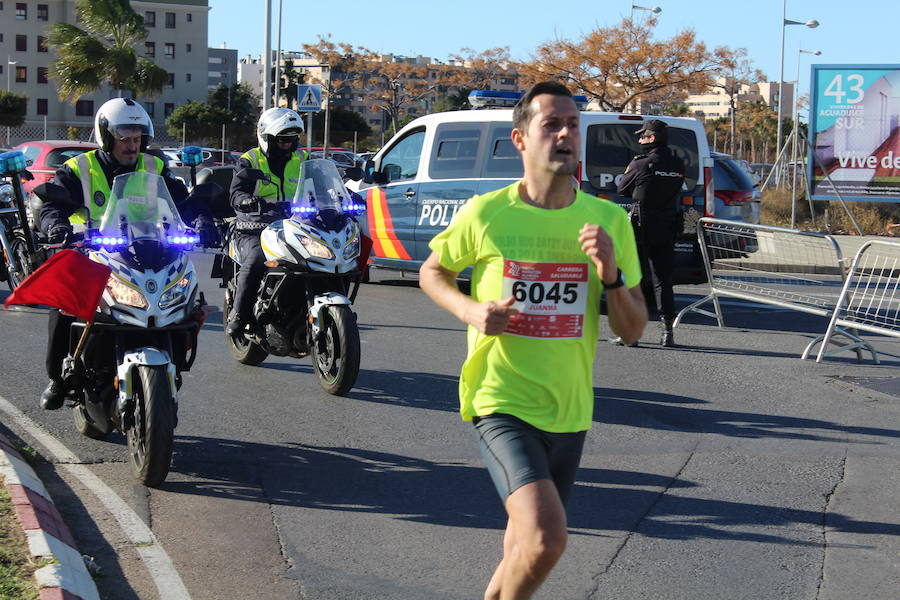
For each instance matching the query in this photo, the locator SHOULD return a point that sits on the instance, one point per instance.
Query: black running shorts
(517, 453)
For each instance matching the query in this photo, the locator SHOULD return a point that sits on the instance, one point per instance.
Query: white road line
(153, 555)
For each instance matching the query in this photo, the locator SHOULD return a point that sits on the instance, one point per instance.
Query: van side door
(392, 207)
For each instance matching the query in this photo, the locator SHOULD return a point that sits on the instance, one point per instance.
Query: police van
(430, 168)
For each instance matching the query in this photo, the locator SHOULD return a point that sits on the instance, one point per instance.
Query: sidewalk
(48, 536)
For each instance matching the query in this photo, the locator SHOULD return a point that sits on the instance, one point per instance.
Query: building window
(42, 105)
(168, 109)
(149, 19)
(42, 74)
(21, 74)
(170, 20)
(190, 17)
(150, 107)
(150, 49)
(187, 47)
(170, 50)
(21, 43)
(84, 108)
(43, 13)
(171, 82)
(187, 77)
(21, 11)
(42, 44)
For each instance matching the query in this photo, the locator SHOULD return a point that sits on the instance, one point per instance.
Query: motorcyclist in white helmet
(278, 157)
(80, 190)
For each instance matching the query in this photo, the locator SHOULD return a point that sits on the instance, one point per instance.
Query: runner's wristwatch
(619, 282)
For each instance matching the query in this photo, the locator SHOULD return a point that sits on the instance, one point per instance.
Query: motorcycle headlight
(125, 294)
(176, 294)
(351, 250)
(315, 248)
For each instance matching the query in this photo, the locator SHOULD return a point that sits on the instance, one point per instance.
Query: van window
(502, 160)
(611, 146)
(401, 162)
(455, 151)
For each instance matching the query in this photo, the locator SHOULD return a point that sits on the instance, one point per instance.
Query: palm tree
(103, 51)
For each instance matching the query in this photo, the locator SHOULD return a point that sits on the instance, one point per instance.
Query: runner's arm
(439, 284)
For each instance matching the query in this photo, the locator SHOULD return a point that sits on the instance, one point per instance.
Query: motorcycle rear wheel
(336, 353)
(86, 423)
(151, 439)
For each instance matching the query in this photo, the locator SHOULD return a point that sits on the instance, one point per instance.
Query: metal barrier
(787, 268)
(870, 297)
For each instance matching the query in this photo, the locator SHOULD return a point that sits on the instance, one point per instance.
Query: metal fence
(30, 132)
(787, 268)
(870, 297)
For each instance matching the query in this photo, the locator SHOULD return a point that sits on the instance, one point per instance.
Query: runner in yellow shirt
(541, 254)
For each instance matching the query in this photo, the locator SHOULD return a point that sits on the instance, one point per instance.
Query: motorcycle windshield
(320, 188)
(140, 208)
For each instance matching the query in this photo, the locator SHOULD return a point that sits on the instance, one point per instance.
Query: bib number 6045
(537, 292)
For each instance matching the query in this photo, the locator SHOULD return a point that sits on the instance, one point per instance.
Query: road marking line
(153, 555)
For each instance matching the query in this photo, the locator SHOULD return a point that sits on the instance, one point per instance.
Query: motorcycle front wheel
(19, 262)
(336, 353)
(150, 440)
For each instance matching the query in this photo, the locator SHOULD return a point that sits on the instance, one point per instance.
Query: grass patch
(16, 567)
(874, 218)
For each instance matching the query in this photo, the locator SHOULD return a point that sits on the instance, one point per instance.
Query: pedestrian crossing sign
(309, 97)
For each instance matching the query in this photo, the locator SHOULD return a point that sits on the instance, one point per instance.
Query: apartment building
(716, 103)
(223, 67)
(176, 41)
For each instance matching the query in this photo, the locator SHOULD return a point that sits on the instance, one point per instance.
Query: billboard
(853, 132)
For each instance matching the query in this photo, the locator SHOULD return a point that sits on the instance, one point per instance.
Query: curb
(48, 536)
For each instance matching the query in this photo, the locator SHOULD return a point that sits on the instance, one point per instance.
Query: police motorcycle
(303, 304)
(126, 369)
(21, 254)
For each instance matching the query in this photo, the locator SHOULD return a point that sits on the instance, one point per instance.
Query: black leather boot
(54, 395)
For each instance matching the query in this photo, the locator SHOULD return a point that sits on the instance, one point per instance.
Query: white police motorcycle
(303, 304)
(126, 367)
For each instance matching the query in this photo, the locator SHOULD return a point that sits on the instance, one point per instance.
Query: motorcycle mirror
(354, 173)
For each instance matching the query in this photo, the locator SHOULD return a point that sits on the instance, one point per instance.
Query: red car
(45, 157)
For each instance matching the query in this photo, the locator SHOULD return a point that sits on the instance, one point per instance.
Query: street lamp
(654, 9)
(812, 24)
(794, 157)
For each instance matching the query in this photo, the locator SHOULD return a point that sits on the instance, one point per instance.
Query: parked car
(45, 157)
(737, 195)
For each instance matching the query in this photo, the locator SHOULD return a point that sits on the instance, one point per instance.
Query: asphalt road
(726, 468)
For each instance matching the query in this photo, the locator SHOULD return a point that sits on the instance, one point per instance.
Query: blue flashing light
(354, 208)
(498, 99)
(183, 240)
(191, 156)
(109, 241)
(303, 210)
(12, 163)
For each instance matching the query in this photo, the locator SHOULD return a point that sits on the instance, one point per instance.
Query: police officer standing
(79, 191)
(278, 133)
(653, 181)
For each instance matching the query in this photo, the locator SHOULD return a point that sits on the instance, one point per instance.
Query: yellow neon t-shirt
(540, 369)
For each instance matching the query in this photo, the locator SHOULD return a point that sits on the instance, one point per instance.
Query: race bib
(551, 298)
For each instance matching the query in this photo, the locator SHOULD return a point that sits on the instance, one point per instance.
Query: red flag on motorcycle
(365, 249)
(69, 281)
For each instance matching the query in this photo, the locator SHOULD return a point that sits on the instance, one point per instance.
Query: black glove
(248, 205)
(59, 234)
(209, 233)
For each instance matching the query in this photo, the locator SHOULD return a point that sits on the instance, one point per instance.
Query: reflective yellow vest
(94, 186)
(277, 190)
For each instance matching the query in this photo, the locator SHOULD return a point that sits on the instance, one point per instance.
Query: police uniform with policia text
(653, 180)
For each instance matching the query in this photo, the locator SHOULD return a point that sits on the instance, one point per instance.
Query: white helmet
(278, 121)
(120, 117)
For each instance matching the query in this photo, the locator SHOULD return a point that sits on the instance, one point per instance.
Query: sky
(859, 32)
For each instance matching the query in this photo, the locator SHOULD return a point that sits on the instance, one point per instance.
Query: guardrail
(787, 268)
(870, 296)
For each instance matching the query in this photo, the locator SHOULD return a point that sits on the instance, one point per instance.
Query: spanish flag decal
(381, 228)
